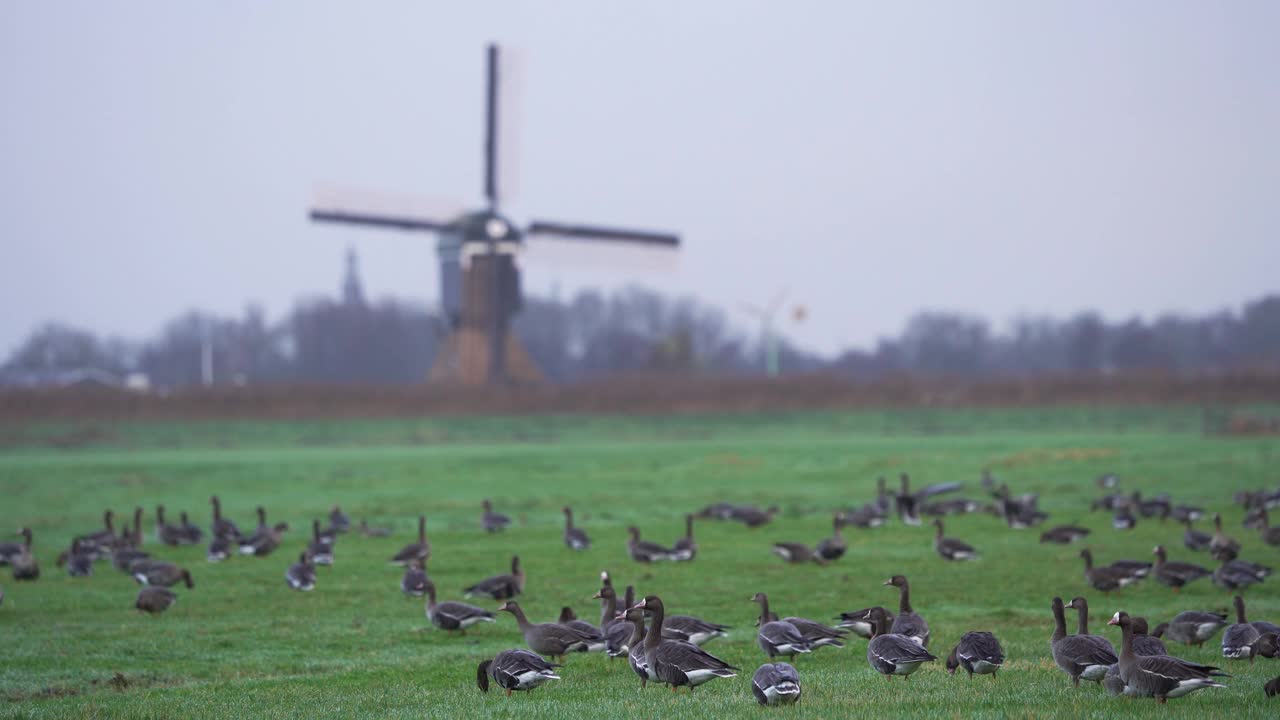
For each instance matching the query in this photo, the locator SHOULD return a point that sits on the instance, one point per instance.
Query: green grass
(242, 644)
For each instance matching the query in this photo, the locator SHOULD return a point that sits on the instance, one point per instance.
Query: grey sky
(875, 158)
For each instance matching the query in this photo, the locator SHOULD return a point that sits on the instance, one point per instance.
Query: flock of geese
(669, 648)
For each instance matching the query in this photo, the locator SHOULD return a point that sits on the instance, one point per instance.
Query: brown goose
(1221, 546)
(977, 652)
(574, 537)
(814, 633)
(1158, 676)
(1176, 574)
(891, 653)
(1195, 540)
(1081, 606)
(1079, 656)
(420, 550)
(776, 684)
(1239, 641)
(1145, 644)
(263, 545)
(1064, 534)
(834, 547)
(907, 622)
(500, 587)
(643, 550)
(515, 670)
(1105, 579)
(690, 629)
(77, 564)
(490, 521)
(617, 634)
(451, 615)
(951, 548)
(302, 574)
(1272, 688)
(549, 639)
(219, 549)
(25, 565)
(754, 517)
(414, 581)
(106, 537)
(1193, 627)
(862, 622)
(1234, 575)
(634, 619)
(191, 534)
(1270, 535)
(596, 642)
(339, 522)
(154, 599)
(685, 548)
(797, 553)
(166, 533)
(320, 548)
(778, 637)
(222, 527)
(163, 574)
(674, 662)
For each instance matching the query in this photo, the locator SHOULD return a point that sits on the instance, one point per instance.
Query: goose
(1238, 575)
(163, 574)
(754, 517)
(977, 652)
(957, 506)
(420, 550)
(574, 537)
(264, 545)
(219, 548)
(515, 670)
(259, 534)
(414, 581)
(685, 548)
(124, 559)
(1145, 644)
(1111, 502)
(834, 547)
(1176, 574)
(490, 521)
(617, 634)
(1064, 534)
(644, 551)
(1183, 513)
(77, 564)
(191, 534)
(339, 522)
(861, 622)
(814, 633)
(907, 622)
(451, 615)
(690, 629)
(166, 533)
(1194, 627)
(951, 548)
(1253, 518)
(776, 684)
(1123, 518)
(1107, 481)
(634, 619)
(1268, 645)
(1081, 606)
(1104, 578)
(1270, 535)
(153, 599)
(1159, 676)
(866, 516)
(320, 549)
(1272, 688)
(717, 511)
(549, 639)
(675, 662)
(369, 531)
(778, 637)
(302, 574)
(1222, 547)
(595, 637)
(10, 550)
(222, 527)
(891, 653)
(104, 538)
(1079, 656)
(797, 553)
(906, 503)
(1158, 506)
(1195, 540)
(500, 587)
(1239, 641)
(25, 565)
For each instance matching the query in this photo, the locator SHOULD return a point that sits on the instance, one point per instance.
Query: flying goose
(222, 527)
(1222, 547)
(25, 565)
(320, 549)
(977, 652)
(861, 622)
(515, 670)
(574, 538)
(595, 636)
(907, 622)
(643, 550)
(1064, 534)
(302, 574)
(1079, 656)
(500, 587)
(1194, 627)
(834, 547)
(490, 521)
(451, 615)
(891, 653)
(685, 548)
(951, 548)
(1175, 574)
(549, 639)
(414, 581)
(675, 662)
(1159, 676)
(166, 533)
(154, 599)
(420, 550)
(778, 637)
(776, 684)
(163, 574)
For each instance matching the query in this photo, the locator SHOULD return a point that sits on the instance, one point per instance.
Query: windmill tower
(479, 278)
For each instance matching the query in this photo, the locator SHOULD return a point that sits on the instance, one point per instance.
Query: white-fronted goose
(951, 548)
(1144, 644)
(717, 511)
(1236, 575)
(302, 574)
(1123, 518)
(978, 653)
(1081, 606)
(10, 550)
(1158, 676)
(515, 670)
(955, 506)
(594, 635)
(685, 548)
(1195, 540)
(77, 564)
(451, 615)
(1105, 579)
(797, 553)
(1175, 574)
(776, 684)
(320, 549)
(166, 533)
(222, 527)
(25, 565)
(1158, 506)
(1183, 513)
(191, 534)
(414, 581)
(778, 637)
(905, 503)
(124, 559)
(834, 547)
(420, 550)
(1194, 627)
(163, 574)
(154, 599)
(754, 517)
(861, 622)
(1268, 645)
(99, 541)
(690, 629)
(1064, 534)
(1221, 546)
(219, 548)
(907, 622)
(1079, 656)
(644, 551)
(263, 545)
(500, 587)
(549, 639)
(574, 537)
(814, 633)
(891, 653)
(339, 522)
(490, 521)
(634, 618)
(617, 634)
(369, 531)
(1239, 640)
(1270, 535)
(675, 662)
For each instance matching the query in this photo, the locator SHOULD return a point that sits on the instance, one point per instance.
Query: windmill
(766, 314)
(479, 278)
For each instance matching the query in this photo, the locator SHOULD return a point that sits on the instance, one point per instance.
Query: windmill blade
(387, 221)
(590, 232)
(361, 207)
(491, 127)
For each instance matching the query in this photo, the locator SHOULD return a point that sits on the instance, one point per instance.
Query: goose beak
(1115, 619)
(638, 606)
(595, 597)
(887, 582)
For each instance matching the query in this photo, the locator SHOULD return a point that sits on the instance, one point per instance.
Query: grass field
(241, 644)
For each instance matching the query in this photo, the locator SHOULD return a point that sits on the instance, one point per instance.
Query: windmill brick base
(465, 357)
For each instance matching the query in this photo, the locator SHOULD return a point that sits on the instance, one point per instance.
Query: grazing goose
(1272, 688)
(549, 639)
(302, 574)
(1081, 606)
(951, 548)
(1195, 540)
(166, 533)
(957, 506)
(595, 636)
(339, 522)
(717, 511)
(420, 550)
(191, 534)
(1268, 645)
(1235, 575)
(1153, 507)
(814, 633)
(1183, 513)
(1239, 640)
(892, 653)
(797, 553)
(222, 527)
(515, 670)
(866, 516)
(907, 622)
(690, 629)
(1222, 547)
(1194, 627)
(1176, 574)
(369, 531)
(834, 547)
(634, 618)
(776, 684)
(451, 615)
(685, 548)
(574, 537)
(1111, 502)
(10, 550)
(25, 565)
(77, 564)
(163, 574)
(676, 662)
(862, 622)
(1079, 656)
(1123, 518)
(219, 548)
(490, 521)
(977, 652)
(1270, 535)
(778, 637)
(644, 551)
(500, 587)
(617, 634)
(320, 549)
(1105, 578)
(154, 599)
(754, 517)
(1064, 534)
(1159, 676)
(263, 545)
(1145, 644)
(414, 581)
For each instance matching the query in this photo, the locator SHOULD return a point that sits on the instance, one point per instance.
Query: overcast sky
(999, 158)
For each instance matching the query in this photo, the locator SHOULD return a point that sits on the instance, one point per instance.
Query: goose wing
(456, 613)
(815, 632)
(980, 646)
(895, 649)
(1086, 650)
